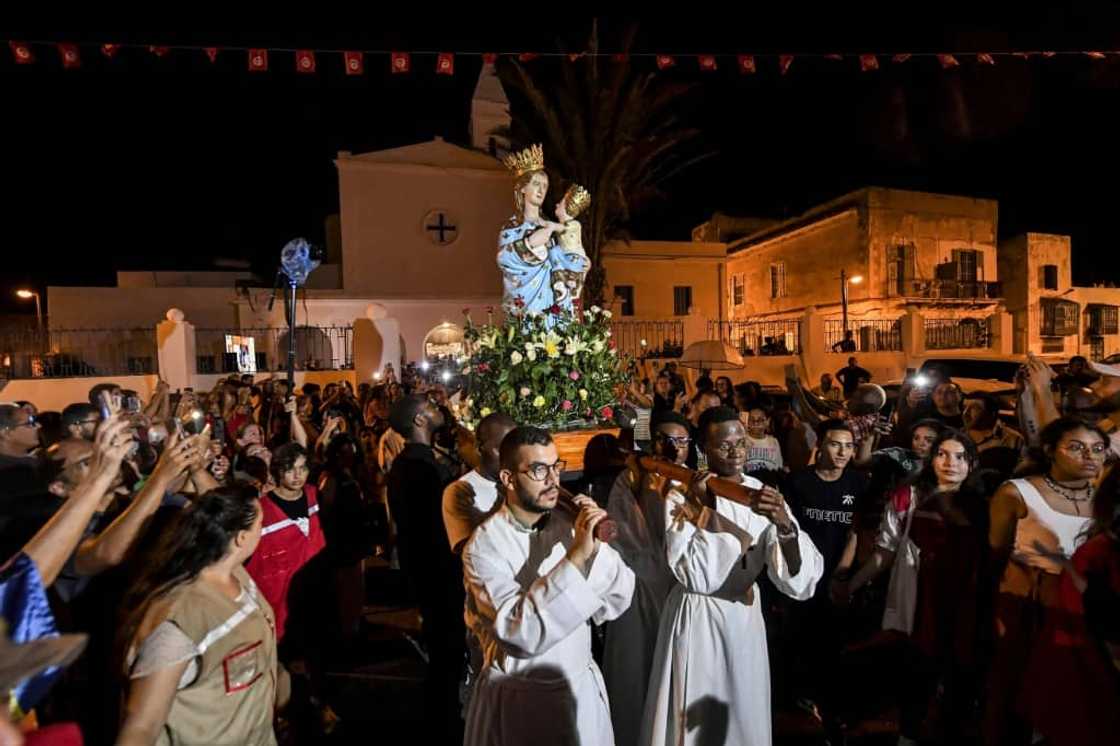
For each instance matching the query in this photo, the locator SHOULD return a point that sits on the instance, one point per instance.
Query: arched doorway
(313, 350)
(445, 340)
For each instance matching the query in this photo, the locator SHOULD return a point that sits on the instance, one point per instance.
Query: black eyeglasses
(31, 422)
(680, 442)
(539, 472)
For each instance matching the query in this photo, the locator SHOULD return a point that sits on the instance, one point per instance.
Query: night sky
(146, 163)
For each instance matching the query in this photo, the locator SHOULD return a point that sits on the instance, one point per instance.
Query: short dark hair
(9, 416)
(991, 402)
(704, 383)
(715, 416)
(1078, 359)
(284, 458)
(765, 403)
(494, 421)
(929, 423)
(517, 437)
(75, 413)
(257, 468)
(667, 416)
(95, 392)
(833, 424)
(310, 388)
(404, 411)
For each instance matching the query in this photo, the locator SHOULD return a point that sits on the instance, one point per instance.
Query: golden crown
(527, 161)
(576, 200)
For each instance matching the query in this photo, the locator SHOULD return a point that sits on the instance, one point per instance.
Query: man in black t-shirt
(825, 498)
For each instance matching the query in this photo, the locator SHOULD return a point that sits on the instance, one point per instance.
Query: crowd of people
(733, 550)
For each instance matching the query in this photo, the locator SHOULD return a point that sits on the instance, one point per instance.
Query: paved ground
(378, 690)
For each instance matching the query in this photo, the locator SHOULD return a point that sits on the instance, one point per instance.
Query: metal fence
(875, 335)
(642, 339)
(957, 334)
(27, 351)
(266, 349)
(782, 337)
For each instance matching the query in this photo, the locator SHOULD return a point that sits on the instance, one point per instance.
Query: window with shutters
(738, 290)
(900, 270)
(1103, 319)
(682, 300)
(1059, 317)
(1049, 278)
(778, 280)
(1053, 345)
(625, 294)
(967, 261)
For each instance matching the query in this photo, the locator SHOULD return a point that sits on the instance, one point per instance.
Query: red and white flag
(159, 51)
(527, 56)
(211, 54)
(445, 64)
(305, 61)
(1048, 54)
(746, 64)
(947, 61)
(110, 50)
(21, 52)
(898, 59)
(70, 57)
(400, 62)
(573, 56)
(707, 62)
(258, 60)
(784, 61)
(834, 57)
(868, 62)
(489, 58)
(665, 61)
(1095, 55)
(355, 63)
(985, 59)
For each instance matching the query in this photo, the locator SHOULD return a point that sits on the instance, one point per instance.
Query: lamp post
(28, 295)
(844, 280)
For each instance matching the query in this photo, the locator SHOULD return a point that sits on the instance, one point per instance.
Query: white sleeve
(703, 553)
(802, 585)
(890, 529)
(529, 622)
(612, 581)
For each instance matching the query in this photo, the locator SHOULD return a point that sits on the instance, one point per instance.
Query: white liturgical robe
(530, 609)
(711, 674)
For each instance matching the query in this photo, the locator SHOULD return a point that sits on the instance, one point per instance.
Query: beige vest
(233, 698)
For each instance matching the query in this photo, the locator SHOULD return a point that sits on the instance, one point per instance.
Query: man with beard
(535, 577)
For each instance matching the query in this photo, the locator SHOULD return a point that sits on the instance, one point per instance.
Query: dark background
(140, 162)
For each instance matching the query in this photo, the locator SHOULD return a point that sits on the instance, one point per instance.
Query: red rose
(518, 302)
(567, 405)
(483, 367)
(467, 311)
(611, 344)
(554, 309)
(607, 413)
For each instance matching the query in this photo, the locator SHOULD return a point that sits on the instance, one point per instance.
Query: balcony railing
(642, 339)
(31, 352)
(782, 337)
(952, 290)
(957, 334)
(266, 349)
(868, 335)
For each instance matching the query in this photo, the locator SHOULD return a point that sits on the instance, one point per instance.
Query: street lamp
(844, 280)
(28, 295)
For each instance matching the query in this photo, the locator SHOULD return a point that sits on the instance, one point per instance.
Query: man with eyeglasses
(25, 503)
(711, 674)
(636, 506)
(825, 498)
(79, 421)
(535, 577)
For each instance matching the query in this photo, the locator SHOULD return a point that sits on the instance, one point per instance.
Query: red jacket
(283, 550)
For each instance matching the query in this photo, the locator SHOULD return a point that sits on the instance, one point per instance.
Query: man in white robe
(534, 581)
(637, 506)
(711, 674)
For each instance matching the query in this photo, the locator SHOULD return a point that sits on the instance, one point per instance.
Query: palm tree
(615, 130)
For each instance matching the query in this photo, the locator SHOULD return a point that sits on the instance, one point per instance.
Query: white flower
(531, 355)
(529, 347)
(515, 357)
(583, 394)
(607, 314)
(597, 346)
(595, 309)
(608, 332)
(466, 370)
(574, 346)
(525, 391)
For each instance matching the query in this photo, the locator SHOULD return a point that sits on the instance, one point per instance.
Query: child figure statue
(567, 285)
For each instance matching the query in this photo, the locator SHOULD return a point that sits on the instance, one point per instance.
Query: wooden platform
(572, 444)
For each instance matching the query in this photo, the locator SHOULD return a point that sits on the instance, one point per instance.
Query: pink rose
(567, 405)
(607, 413)
(574, 375)
(483, 367)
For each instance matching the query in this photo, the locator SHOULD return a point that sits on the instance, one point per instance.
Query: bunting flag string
(400, 61)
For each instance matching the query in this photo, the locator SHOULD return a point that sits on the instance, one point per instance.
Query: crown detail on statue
(527, 161)
(576, 200)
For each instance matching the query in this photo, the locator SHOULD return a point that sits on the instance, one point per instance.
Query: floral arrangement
(560, 370)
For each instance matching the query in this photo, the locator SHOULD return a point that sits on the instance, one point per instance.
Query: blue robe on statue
(527, 273)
